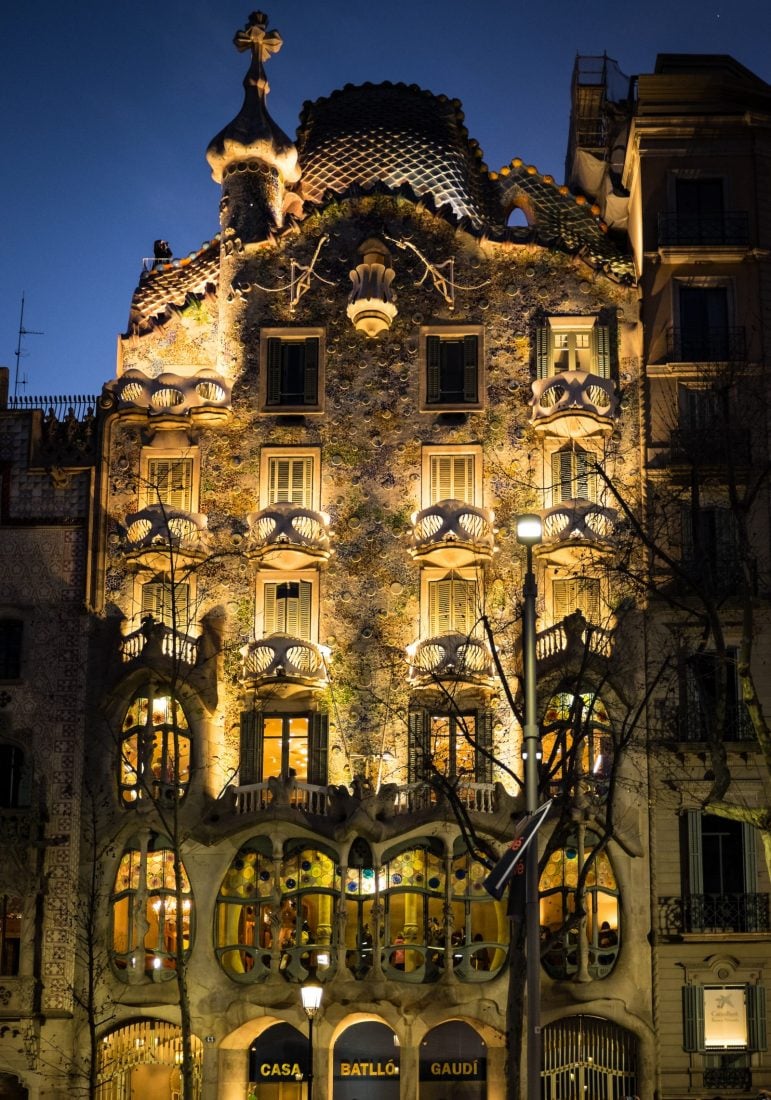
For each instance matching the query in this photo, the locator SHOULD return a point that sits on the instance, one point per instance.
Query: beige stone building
(293, 724)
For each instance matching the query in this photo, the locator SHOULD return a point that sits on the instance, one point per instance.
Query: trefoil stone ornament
(370, 303)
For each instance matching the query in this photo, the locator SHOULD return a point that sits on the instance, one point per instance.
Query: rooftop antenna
(22, 332)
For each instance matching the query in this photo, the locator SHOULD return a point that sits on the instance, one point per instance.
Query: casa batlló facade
(294, 727)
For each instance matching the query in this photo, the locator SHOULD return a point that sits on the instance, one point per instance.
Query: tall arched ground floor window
(587, 1056)
(143, 1058)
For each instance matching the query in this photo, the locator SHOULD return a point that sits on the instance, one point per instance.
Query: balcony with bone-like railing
(156, 641)
(578, 521)
(289, 536)
(574, 404)
(459, 657)
(203, 397)
(572, 639)
(283, 661)
(453, 534)
(159, 528)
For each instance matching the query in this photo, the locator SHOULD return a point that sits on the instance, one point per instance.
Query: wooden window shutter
(601, 338)
(418, 748)
(756, 1017)
(463, 605)
(439, 605)
(290, 480)
(318, 737)
(562, 476)
(286, 608)
(311, 395)
(542, 351)
(250, 757)
(577, 594)
(273, 385)
(471, 369)
(433, 368)
(170, 482)
(270, 609)
(693, 1017)
(168, 603)
(585, 475)
(484, 739)
(695, 857)
(452, 478)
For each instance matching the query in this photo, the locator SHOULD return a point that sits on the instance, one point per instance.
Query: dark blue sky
(109, 106)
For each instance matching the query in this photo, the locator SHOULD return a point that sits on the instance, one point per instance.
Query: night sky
(109, 106)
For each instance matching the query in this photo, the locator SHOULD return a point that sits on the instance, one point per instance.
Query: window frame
(251, 755)
(309, 578)
(572, 326)
(286, 336)
(148, 496)
(147, 786)
(451, 333)
(584, 607)
(269, 455)
(420, 721)
(431, 453)
(581, 461)
(432, 576)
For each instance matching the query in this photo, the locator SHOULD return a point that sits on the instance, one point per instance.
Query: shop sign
(455, 1069)
(725, 1017)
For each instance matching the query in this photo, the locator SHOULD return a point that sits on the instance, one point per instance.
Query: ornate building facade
(289, 743)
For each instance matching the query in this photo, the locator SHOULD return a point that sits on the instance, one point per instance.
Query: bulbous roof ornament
(253, 135)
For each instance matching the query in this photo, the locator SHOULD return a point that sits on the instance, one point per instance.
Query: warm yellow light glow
(529, 529)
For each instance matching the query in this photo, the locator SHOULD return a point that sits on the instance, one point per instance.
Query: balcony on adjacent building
(159, 529)
(706, 345)
(459, 657)
(453, 534)
(572, 639)
(725, 229)
(288, 536)
(579, 520)
(156, 641)
(702, 914)
(283, 663)
(574, 404)
(707, 446)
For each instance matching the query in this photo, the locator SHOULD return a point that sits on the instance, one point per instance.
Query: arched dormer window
(154, 748)
(147, 931)
(577, 744)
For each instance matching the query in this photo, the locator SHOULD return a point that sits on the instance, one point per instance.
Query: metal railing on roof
(62, 406)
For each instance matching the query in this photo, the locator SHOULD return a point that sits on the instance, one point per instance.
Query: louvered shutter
(287, 608)
(166, 603)
(562, 476)
(273, 385)
(290, 480)
(452, 477)
(542, 351)
(470, 369)
(756, 1017)
(463, 605)
(693, 1017)
(577, 594)
(311, 389)
(585, 476)
(250, 757)
(601, 340)
(318, 736)
(484, 739)
(418, 748)
(695, 856)
(270, 609)
(433, 369)
(439, 605)
(170, 482)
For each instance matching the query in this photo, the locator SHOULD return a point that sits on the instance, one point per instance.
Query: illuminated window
(577, 745)
(571, 943)
(480, 927)
(724, 1017)
(244, 910)
(10, 935)
(154, 748)
(414, 887)
(452, 744)
(572, 343)
(283, 744)
(146, 884)
(310, 891)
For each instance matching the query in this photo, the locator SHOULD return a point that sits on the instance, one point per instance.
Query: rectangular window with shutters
(573, 475)
(287, 607)
(720, 877)
(451, 744)
(281, 744)
(452, 604)
(168, 481)
(572, 343)
(452, 375)
(451, 474)
(728, 1017)
(577, 594)
(168, 603)
(292, 370)
(289, 477)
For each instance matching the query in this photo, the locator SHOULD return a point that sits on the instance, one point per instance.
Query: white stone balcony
(479, 798)
(253, 798)
(155, 641)
(452, 534)
(158, 528)
(283, 663)
(578, 520)
(288, 536)
(574, 404)
(450, 657)
(204, 396)
(572, 639)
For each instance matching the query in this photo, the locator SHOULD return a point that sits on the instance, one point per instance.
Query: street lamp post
(310, 992)
(529, 531)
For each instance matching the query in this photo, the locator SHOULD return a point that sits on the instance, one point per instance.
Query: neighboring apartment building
(303, 584)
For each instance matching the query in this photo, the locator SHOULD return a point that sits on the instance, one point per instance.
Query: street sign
(496, 882)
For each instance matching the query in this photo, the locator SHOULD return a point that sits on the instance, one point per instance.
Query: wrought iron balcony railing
(728, 1077)
(574, 404)
(158, 527)
(453, 533)
(281, 658)
(693, 725)
(450, 657)
(706, 345)
(289, 536)
(578, 519)
(704, 913)
(729, 229)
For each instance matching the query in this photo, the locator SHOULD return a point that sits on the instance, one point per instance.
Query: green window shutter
(693, 1017)
(311, 395)
(542, 351)
(484, 738)
(418, 748)
(756, 1017)
(273, 387)
(317, 748)
(250, 757)
(433, 369)
(695, 857)
(601, 338)
(471, 369)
